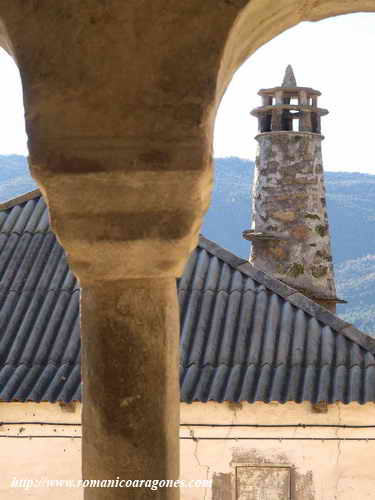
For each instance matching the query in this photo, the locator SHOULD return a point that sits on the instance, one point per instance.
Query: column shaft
(130, 386)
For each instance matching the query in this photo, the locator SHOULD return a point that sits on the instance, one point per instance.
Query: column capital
(124, 208)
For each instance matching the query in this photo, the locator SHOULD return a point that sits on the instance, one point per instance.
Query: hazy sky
(333, 56)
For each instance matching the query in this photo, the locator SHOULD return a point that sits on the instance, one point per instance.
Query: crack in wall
(339, 453)
(195, 453)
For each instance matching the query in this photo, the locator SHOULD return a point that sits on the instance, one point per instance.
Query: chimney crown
(289, 108)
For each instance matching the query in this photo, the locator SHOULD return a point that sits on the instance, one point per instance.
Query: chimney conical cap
(289, 78)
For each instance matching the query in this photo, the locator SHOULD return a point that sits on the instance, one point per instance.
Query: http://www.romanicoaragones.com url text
(152, 484)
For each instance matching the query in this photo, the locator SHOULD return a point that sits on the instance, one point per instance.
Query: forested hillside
(14, 177)
(351, 208)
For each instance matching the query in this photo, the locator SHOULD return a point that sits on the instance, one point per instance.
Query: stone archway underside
(120, 100)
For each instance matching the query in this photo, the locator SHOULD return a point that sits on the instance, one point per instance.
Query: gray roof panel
(244, 335)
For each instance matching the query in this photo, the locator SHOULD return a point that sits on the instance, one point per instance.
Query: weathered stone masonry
(290, 232)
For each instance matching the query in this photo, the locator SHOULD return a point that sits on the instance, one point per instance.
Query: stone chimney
(290, 233)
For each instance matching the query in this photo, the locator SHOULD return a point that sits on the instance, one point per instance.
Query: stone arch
(5, 42)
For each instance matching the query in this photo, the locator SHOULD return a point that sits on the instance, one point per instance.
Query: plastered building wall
(39, 451)
(321, 467)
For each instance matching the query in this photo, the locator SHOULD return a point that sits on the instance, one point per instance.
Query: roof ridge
(5, 205)
(291, 295)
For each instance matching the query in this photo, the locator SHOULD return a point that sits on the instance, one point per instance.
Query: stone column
(305, 120)
(131, 386)
(119, 115)
(277, 113)
(119, 103)
(128, 224)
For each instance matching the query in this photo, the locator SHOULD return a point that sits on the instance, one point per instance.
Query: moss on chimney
(296, 269)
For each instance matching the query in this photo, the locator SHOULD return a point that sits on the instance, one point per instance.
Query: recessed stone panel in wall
(262, 483)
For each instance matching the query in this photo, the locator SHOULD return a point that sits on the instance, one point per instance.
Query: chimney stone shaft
(290, 232)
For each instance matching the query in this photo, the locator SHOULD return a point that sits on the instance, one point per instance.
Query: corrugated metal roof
(244, 335)
(39, 309)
